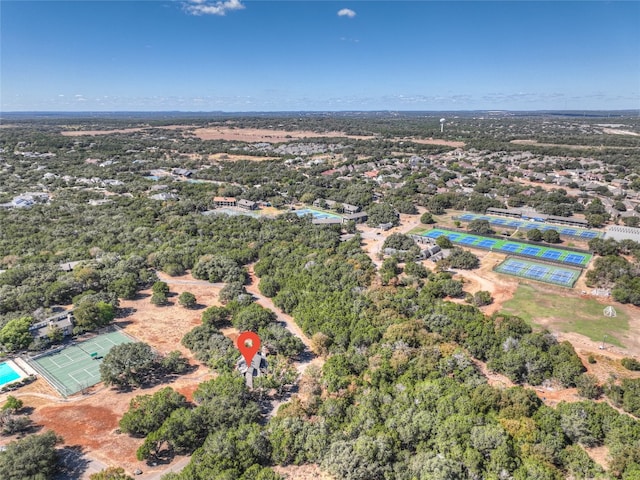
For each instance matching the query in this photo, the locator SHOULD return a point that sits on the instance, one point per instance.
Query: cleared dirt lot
(77, 132)
(254, 135)
(257, 135)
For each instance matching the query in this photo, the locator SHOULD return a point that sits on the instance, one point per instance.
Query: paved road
(156, 474)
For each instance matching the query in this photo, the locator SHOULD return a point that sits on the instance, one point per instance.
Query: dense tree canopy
(148, 412)
(33, 457)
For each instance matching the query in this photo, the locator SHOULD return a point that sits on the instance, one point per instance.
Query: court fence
(531, 226)
(510, 239)
(519, 240)
(58, 385)
(521, 273)
(53, 381)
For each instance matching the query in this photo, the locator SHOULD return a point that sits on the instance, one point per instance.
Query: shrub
(187, 300)
(631, 364)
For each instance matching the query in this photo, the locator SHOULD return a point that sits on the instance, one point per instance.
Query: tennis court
(77, 367)
(516, 248)
(565, 277)
(574, 232)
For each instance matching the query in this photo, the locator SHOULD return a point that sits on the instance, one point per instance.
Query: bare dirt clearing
(535, 143)
(91, 423)
(258, 135)
(79, 133)
(436, 141)
(302, 472)
(164, 327)
(615, 131)
(255, 135)
(230, 157)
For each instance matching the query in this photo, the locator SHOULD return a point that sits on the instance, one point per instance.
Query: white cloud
(208, 7)
(346, 12)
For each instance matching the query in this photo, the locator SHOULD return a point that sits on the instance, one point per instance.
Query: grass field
(567, 314)
(419, 230)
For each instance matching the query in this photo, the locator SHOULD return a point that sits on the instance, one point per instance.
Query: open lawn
(421, 230)
(567, 314)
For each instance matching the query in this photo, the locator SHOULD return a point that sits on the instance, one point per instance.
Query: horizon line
(387, 110)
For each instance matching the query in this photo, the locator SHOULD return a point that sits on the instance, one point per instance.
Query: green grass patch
(568, 314)
(419, 230)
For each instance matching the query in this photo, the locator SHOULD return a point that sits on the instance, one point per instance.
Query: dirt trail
(290, 324)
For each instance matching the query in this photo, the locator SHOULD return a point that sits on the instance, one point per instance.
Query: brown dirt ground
(570, 147)
(251, 135)
(437, 141)
(78, 133)
(302, 472)
(230, 157)
(164, 327)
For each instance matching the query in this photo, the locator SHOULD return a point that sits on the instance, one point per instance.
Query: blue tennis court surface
(574, 258)
(551, 254)
(315, 213)
(487, 243)
(559, 255)
(576, 232)
(556, 275)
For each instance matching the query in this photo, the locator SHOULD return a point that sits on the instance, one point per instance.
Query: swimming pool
(7, 374)
(315, 213)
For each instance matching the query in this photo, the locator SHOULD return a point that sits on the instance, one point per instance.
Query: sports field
(315, 213)
(565, 277)
(512, 247)
(574, 232)
(75, 368)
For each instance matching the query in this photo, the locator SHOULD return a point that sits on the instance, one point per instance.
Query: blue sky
(236, 55)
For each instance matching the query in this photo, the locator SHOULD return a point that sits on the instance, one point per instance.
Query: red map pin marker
(248, 343)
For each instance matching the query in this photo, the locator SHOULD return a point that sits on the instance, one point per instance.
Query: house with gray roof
(62, 321)
(257, 368)
(247, 205)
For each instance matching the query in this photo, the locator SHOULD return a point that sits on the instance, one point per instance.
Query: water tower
(442, 125)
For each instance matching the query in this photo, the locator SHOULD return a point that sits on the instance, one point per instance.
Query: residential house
(359, 217)
(224, 202)
(247, 204)
(182, 172)
(63, 321)
(349, 209)
(257, 368)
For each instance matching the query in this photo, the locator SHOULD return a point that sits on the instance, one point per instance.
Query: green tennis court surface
(580, 259)
(77, 367)
(565, 277)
